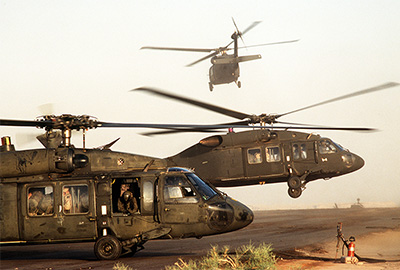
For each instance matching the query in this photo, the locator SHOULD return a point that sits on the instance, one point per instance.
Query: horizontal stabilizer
(248, 58)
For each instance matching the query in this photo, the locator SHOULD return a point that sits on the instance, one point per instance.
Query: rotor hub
(68, 122)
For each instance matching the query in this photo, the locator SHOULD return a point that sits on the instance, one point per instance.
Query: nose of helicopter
(352, 162)
(358, 162)
(243, 215)
(228, 215)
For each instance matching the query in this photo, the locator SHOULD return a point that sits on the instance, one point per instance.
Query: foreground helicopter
(225, 67)
(268, 154)
(119, 200)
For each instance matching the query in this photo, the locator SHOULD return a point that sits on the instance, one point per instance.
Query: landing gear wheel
(294, 192)
(108, 248)
(294, 182)
(239, 84)
(211, 86)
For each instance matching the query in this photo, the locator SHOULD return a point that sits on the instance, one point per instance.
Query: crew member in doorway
(127, 203)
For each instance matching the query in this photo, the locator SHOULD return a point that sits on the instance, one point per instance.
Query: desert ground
(301, 239)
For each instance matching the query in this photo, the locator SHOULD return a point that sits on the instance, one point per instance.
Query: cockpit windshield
(341, 148)
(206, 192)
(326, 147)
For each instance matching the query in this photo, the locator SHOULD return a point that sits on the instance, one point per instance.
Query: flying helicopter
(272, 153)
(120, 201)
(225, 67)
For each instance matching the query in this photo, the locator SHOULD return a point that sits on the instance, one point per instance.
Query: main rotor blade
(214, 108)
(179, 127)
(272, 43)
(254, 24)
(24, 123)
(175, 131)
(326, 128)
(358, 93)
(178, 49)
(216, 130)
(203, 58)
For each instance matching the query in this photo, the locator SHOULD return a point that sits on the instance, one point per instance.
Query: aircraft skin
(224, 160)
(69, 194)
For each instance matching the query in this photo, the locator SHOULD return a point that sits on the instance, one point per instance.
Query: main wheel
(294, 182)
(108, 248)
(294, 192)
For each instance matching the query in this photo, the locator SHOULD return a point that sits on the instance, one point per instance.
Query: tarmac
(301, 239)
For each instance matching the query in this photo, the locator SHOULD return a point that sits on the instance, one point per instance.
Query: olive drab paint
(71, 195)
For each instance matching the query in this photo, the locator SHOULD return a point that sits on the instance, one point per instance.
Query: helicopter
(120, 201)
(271, 153)
(225, 67)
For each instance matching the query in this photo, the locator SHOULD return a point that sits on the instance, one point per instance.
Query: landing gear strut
(296, 185)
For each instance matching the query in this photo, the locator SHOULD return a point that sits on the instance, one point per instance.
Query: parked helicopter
(119, 200)
(266, 155)
(225, 67)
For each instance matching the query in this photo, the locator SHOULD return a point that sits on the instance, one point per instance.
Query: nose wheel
(239, 84)
(211, 86)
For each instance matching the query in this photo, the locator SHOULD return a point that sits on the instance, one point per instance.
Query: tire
(108, 248)
(294, 192)
(294, 182)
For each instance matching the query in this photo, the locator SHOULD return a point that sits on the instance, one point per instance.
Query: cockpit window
(326, 147)
(178, 190)
(206, 192)
(339, 146)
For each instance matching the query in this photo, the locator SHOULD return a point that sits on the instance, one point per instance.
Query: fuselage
(265, 156)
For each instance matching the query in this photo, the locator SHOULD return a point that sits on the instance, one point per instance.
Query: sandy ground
(380, 250)
(302, 239)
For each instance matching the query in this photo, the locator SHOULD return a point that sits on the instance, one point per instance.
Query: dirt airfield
(302, 239)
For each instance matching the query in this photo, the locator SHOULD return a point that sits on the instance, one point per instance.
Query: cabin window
(296, 151)
(75, 199)
(326, 147)
(148, 196)
(273, 154)
(299, 151)
(178, 190)
(254, 155)
(40, 201)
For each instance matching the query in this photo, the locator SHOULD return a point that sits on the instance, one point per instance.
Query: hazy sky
(83, 57)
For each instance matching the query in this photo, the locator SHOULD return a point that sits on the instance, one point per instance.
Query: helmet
(352, 239)
(127, 196)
